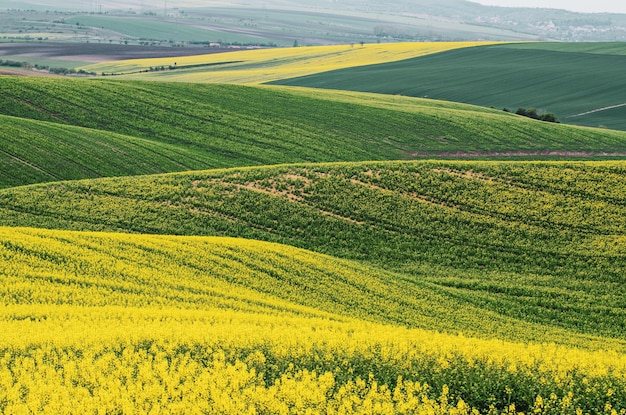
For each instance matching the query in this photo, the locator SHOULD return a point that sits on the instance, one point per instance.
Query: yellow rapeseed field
(265, 65)
(137, 360)
(135, 324)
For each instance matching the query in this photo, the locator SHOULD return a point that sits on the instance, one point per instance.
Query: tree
(549, 117)
(532, 113)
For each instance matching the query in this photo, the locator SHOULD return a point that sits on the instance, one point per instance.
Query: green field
(566, 79)
(39, 151)
(153, 29)
(112, 128)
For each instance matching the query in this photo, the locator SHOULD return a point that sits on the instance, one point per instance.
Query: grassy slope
(518, 75)
(177, 126)
(38, 151)
(538, 242)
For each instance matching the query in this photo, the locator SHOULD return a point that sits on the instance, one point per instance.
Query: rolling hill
(38, 151)
(99, 320)
(205, 273)
(525, 258)
(497, 235)
(112, 128)
(537, 75)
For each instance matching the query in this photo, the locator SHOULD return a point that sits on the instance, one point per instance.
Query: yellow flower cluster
(110, 323)
(242, 368)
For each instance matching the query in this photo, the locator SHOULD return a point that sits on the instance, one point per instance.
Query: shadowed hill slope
(38, 151)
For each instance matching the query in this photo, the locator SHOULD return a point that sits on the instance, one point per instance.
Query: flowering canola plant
(87, 325)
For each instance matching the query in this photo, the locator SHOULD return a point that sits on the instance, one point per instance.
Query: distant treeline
(58, 71)
(65, 71)
(15, 64)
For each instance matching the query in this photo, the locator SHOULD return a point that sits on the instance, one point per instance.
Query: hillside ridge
(148, 127)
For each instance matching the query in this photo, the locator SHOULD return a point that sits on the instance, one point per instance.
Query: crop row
(35, 151)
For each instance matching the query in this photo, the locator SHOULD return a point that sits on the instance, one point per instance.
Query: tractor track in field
(29, 164)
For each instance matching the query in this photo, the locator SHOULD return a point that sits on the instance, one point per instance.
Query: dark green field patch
(38, 151)
(564, 79)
